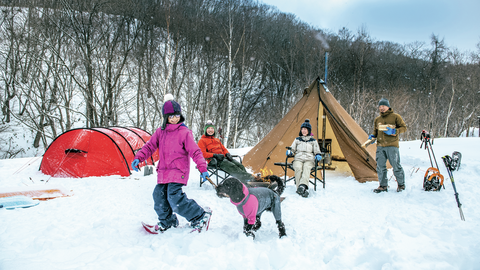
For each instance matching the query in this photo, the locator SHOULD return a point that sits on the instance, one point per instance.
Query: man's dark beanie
(384, 101)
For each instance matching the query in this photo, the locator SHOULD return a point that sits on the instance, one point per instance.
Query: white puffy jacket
(305, 148)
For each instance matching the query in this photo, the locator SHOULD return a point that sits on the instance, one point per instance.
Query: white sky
(400, 21)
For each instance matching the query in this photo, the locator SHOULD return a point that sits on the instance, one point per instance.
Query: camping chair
(216, 171)
(313, 173)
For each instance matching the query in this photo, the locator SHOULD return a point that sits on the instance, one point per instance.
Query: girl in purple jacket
(176, 146)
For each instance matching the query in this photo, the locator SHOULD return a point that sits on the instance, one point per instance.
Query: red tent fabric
(145, 137)
(89, 152)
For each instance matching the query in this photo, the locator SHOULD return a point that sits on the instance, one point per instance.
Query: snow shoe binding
(203, 222)
(433, 180)
(455, 161)
(157, 228)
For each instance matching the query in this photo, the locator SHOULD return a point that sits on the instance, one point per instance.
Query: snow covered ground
(344, 226)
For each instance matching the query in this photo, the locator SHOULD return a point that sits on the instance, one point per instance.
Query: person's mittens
(229, 156)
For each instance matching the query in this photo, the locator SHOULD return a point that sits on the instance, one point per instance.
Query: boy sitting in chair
(306, 151)
(215, 153)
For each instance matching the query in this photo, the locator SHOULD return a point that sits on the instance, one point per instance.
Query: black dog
(251, 203)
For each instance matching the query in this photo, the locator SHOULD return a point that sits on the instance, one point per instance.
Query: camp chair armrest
(239, 157)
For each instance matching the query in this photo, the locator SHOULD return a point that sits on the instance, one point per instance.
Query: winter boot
(281, 229)
(305, 193)
(380, 189)
(203, 223)
(400, 188)
(301, 190)
(159, 228)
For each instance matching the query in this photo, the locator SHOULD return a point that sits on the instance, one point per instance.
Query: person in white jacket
(306, 150)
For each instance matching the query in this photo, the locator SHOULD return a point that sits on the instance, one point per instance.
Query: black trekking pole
(447, 160)
(425, 137)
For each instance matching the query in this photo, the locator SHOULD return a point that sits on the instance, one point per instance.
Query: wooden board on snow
(36, 192)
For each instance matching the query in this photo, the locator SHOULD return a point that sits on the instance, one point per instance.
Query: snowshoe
(204, 222)
(154, 229)
(455, 161)
(433, 180)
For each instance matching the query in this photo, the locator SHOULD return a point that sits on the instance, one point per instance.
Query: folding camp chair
(217, 172)
(313, 172)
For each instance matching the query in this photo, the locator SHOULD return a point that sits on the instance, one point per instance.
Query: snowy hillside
(344, 226)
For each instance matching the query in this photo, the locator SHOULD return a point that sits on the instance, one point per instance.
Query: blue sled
(16, 202)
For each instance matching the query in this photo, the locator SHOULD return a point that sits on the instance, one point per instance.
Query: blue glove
(390, 131)
(204, 176)
(289, 153)
(371, 136)
(318, 157)
(135, 164)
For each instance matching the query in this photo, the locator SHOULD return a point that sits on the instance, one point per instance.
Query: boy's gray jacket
(305, 148)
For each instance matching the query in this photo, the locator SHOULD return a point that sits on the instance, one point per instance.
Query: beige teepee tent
(343, 137)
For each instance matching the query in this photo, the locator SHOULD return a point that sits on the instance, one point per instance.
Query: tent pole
(324, 117)
(324, 124)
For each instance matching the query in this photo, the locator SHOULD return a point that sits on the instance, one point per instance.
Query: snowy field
(344, 226)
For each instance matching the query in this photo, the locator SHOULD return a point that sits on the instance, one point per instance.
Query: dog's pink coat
(250, 206)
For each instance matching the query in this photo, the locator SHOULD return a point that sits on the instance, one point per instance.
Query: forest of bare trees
(89, 63)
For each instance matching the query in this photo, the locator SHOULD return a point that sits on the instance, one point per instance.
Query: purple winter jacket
(175, 146)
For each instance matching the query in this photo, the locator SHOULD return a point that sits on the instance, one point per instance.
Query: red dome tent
(86, 152)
